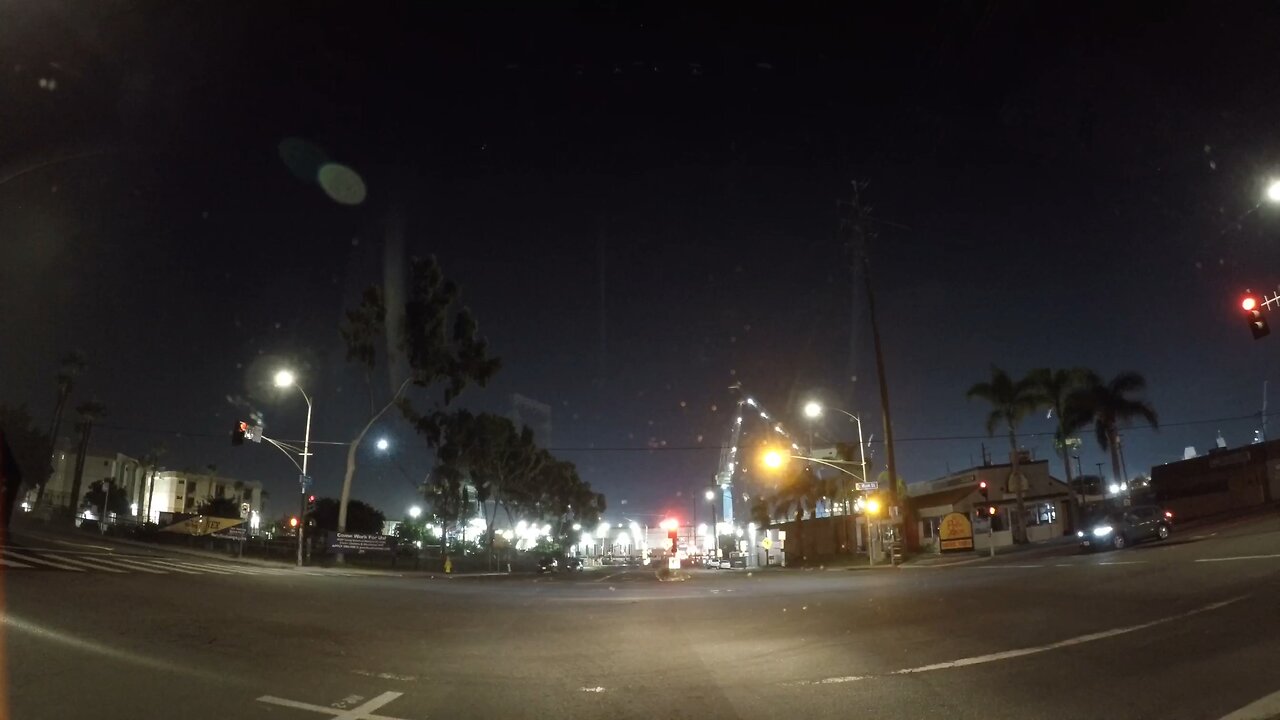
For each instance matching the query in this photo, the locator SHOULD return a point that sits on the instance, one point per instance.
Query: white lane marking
(136, 565)
(606, 577)
(194, 567)
(89, 565)
(1021, 652)
(13, 563)
(41, 561)
(1124, 562)
(360, 712)
(1260, 709)
(173, 568)
(1239, 557)
(1079, 640)
(596, 689)
(1004, 567)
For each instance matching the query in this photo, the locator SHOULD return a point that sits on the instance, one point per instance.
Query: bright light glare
(773, 459)
(1249, 302)
(711, 494)
(1102, 530)
(669, 524)
(872, 506)
(414, 512)
(1113, 488)
(812, 410)
(383, 444)
(1273, 191)
(284, 378)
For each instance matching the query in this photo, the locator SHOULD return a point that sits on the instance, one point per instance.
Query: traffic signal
(311, 503)
(673, 544)
(1253, 315)
(982, 488)
(237, 435)
(991, 511)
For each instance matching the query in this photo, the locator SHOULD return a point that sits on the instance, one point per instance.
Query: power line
(716, 448)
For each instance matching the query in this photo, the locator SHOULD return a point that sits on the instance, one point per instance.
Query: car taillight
(1168, 514)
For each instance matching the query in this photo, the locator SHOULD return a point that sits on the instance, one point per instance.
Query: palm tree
(88, 413)
(72, 365)
(1073, 410)
(1011, 401)
(1112, 404)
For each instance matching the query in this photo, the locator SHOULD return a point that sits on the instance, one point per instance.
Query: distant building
(527, 412)
(150, 493)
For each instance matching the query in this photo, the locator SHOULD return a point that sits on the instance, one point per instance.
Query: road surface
(1185, 629)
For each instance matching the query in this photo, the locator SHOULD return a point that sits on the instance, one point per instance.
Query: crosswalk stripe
(134, 565)
(195, 567)
(88, 565)
(173, 568)
(42, 561)
(12, 563)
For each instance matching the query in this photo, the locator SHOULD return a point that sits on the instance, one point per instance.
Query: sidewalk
(68, 536)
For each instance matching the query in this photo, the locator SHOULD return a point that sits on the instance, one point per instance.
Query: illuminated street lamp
(414, 512)
(383, 444)
(1273, 191)
(284, 379)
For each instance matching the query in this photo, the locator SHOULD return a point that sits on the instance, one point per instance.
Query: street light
(284, 379)
(1273, 191)
(383, 444)
(771, 458)
(414, 512)
(812, 410)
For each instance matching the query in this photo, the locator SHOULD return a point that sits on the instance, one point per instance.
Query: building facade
(1225, 479)
(1045, 500)
(151, 492)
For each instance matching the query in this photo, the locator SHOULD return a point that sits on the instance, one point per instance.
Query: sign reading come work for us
(955, 533)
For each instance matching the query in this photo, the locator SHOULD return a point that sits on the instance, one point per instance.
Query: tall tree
(87, 413)
(1114, 403)
(1072, 410)
(106, 492)
(150, 464)
(1011, 401)
(438, 338)
(73, 364)
(31, 450)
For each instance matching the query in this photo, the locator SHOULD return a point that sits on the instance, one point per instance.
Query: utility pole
(858, 234)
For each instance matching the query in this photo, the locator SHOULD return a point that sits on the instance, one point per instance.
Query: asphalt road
(1185, 629)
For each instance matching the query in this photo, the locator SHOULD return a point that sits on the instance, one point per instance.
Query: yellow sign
(766, 543)
(955, 533)
(201, 525)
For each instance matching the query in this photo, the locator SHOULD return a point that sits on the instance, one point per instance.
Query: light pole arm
(828, 464)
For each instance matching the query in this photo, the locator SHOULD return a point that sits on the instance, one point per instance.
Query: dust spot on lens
(342, 184)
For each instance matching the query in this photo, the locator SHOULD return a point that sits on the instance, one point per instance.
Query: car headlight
(1079, 533)
(1102, 530)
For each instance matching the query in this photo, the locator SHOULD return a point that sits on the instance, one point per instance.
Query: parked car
(548, 564)
(572, 564)
(1125, 526)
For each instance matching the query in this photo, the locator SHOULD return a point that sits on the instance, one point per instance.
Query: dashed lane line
(1239, 557)
(12, 563)
(1022, 652)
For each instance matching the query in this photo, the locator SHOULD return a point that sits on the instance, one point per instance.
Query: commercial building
(1223, 480)
(1045, 500)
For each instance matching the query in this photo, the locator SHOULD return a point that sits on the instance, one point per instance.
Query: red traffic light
(1248, 302)
(311, 498)
(991, 511)
(293, 522)
(982, 484)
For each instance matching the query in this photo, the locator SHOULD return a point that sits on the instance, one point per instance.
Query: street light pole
(285, 378)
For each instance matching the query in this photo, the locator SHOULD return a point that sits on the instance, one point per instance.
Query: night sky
(639, 202)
